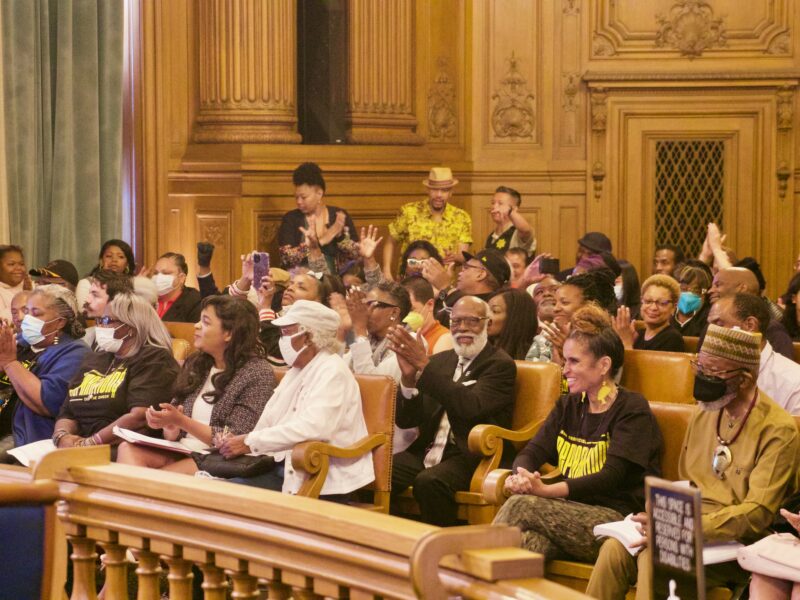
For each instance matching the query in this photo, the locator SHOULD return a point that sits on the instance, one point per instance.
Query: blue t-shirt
(54, 367)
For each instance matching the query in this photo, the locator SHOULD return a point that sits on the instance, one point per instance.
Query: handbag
(227, 468)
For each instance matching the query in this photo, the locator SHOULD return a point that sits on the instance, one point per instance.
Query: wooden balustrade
(248, 542)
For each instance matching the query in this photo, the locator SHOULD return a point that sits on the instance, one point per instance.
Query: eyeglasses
(379, 304)
(698, 368)
(470, 322)
(471, 266)
(415, 262)
(658, 303)
(106, 322)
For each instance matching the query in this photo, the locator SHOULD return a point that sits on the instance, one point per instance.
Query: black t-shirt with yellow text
(105, 389)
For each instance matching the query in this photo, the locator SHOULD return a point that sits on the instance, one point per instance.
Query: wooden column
(380, 108)
(247, 59)
(83, 558)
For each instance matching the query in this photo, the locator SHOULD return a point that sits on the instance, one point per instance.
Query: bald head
(471, 306)
(731, 281)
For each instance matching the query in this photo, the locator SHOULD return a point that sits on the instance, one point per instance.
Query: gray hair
(325, 340)
(134, 311)
(65, 304)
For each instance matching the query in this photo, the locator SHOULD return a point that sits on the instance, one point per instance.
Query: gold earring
(604, 392)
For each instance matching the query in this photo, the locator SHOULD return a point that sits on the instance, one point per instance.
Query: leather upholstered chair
(378, 403)
(659, 376)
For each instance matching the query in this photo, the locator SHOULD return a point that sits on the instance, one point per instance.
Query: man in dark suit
(446, 395)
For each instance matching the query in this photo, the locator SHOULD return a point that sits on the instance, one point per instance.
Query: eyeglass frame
(470, 322)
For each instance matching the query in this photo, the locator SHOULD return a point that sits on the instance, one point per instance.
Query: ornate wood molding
(514, 114)
(599, 109)
(381, 72)
(690, 28)
(442, 111)
(247, 71)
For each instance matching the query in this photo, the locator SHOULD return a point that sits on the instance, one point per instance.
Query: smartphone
(260, 267)
(551, 266)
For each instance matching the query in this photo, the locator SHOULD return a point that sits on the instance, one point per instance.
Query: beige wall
(561, 99)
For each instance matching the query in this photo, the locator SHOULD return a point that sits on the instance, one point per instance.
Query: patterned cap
(734, 344)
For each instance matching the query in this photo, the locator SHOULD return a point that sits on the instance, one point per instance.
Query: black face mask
(709, 389)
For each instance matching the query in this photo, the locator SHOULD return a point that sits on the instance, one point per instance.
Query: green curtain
(63, 121)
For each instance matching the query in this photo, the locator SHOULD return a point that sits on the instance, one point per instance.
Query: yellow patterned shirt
(415, 223)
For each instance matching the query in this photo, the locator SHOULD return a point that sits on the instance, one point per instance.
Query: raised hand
(436, 274)
(310, 233)
(624, 326)
(265, 292)
(247, 269)
(8, 345)
(338, 303)
(369, 242)
(357, 308)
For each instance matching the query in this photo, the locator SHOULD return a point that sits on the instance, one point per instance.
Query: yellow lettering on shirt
(97, 386)
(578, 457)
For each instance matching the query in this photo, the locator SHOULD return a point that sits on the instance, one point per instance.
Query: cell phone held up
(260, 267)
(550, 266)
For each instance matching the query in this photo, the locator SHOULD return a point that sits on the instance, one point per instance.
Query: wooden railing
(244, 539)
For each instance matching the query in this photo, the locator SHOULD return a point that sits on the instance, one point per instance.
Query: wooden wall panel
(673, 30)
(512, 87)
(583, 72)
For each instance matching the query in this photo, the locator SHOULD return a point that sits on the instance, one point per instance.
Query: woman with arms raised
(223, 387)
(604, 440)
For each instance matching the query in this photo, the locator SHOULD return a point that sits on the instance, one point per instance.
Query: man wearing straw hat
(741, 451)
(435, 220)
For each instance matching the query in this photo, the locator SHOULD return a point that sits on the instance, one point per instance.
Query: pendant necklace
(722, 457)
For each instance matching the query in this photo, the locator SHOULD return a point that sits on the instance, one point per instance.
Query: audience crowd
(277, 352)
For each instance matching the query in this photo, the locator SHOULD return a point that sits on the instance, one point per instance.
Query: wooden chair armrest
(485, 439)
(36, 492)
(313, 458)
(494, 486)
(303, 454)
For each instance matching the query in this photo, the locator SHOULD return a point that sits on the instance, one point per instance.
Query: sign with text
(675, 538)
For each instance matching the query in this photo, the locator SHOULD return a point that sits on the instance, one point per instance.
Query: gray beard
(716, 404)
(470, 351)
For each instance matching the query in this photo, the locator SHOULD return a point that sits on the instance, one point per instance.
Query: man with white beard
(740, 450)
(446, 395)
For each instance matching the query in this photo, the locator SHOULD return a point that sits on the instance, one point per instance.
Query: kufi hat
(734, 344)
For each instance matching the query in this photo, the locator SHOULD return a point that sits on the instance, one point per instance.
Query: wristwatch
(444, 293)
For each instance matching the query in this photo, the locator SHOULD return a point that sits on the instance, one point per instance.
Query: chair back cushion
(181, 349)
(673, 420)
(184, 331)
(659, 376)
(690, 344)
(378, 402)
(537, 388)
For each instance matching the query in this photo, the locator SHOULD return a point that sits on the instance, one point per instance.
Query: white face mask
(618, 291)
(32, 329)
(287, 350)
(105, 340)
(164, 283)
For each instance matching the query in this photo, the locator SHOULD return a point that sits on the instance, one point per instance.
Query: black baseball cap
(596, 242)
(58, 268)
(494, 262)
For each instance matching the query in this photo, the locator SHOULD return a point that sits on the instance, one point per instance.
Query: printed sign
(675, 538)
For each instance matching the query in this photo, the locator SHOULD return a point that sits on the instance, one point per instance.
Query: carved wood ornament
(513, 115)
(690, 28)
(442, 118)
